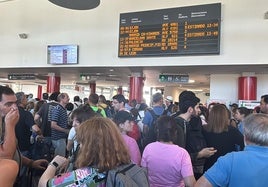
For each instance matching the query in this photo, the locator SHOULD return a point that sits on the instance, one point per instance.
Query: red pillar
(136, 88)
(53, 84)
(92, 87)
(247, 88)
(39, 92)
(120, 90)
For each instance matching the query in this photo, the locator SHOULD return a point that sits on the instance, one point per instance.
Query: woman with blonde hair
(220, 134)
(101, 149)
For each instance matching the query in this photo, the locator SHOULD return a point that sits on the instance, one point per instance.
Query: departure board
(193, 30)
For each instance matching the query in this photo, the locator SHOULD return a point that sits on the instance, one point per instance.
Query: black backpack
(152, 136)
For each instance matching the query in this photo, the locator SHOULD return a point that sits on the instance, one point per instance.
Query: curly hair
(101, 145)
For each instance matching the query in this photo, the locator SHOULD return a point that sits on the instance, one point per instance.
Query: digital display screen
(193, 30)
(62, 54)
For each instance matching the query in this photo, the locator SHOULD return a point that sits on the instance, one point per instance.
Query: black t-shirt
(23, 129)
(225, 142)
(181, 131)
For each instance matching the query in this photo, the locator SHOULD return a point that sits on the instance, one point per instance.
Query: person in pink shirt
(167, 163)
(123, 120)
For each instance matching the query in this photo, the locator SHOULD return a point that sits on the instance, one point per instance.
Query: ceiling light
(195, 90)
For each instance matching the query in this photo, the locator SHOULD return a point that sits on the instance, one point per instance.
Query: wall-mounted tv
(62, 54)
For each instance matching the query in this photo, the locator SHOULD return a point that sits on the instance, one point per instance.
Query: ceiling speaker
(23, 35)
(266, 15)
(77, 4)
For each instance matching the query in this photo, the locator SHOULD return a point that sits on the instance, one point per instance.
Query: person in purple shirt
(167, 163)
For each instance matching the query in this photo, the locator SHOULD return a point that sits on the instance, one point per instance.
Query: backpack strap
(123, 171)
(126, 169)
(139, 116)
(98, 111)
(165, 112)
(154, 115)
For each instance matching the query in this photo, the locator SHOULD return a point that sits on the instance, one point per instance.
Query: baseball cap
(169, 98)
(122, 116)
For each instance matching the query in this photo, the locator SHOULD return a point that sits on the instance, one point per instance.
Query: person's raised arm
(8, 146)
(51, 170)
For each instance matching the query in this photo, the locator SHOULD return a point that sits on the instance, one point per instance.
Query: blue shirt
(241, 169)
(240, 127)
(148, 118)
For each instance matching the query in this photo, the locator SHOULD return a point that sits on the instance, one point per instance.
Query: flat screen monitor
(62, 54)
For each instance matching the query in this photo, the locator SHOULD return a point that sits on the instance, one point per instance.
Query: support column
(92, 87)
(136, 87)
(53, 83)
(247, 88)
(39, 92)
(120, 90)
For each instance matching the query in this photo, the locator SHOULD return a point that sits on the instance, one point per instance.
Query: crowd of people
(184, 143)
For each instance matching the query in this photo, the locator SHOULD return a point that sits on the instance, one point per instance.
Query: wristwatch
(55, 164)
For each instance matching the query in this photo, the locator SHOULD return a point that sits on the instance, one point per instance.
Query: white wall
(225, 87)
(243, 37)
(27, 89)
(262, 85)
(243, 32)
(175, 91)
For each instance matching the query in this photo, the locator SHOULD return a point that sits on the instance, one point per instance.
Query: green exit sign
(174, 78)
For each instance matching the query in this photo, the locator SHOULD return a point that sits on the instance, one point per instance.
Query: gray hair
(61, 96)
(256, 129)
(20, 97)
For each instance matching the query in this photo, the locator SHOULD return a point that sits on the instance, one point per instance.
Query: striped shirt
(59, 115)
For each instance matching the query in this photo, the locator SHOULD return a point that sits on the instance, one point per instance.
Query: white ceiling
(105, 77)
(120, 76)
